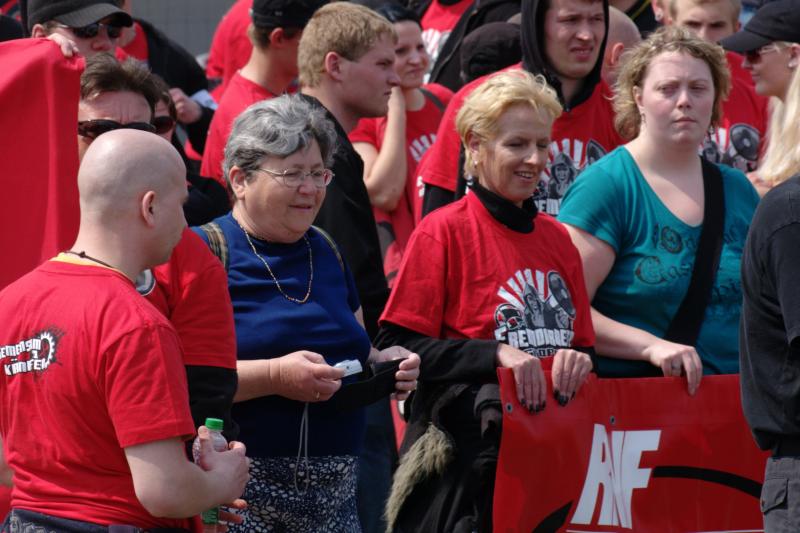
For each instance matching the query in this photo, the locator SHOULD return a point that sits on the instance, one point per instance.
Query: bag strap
(685, 325)
(332, 244)
(217, 242)
(433, 98)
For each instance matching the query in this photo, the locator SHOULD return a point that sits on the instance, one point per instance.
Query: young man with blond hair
(346, 66)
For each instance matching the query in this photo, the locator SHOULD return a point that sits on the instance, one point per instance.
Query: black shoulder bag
(685, 325)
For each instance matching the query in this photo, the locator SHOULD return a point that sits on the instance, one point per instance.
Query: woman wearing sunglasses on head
(297, 313)
(770, 43)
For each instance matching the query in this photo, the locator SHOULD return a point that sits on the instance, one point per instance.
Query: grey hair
(277, 127)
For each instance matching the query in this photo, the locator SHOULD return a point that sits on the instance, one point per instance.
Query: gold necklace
(269, 270)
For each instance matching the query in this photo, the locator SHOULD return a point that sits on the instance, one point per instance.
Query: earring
(644, 122)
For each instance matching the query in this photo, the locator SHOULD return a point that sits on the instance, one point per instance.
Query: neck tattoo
(269, 270)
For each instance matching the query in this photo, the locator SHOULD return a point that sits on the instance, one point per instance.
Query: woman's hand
(305, 377)
(674, 358)
(408, 371)
(570, 368)
(187, 109)
(528, 375)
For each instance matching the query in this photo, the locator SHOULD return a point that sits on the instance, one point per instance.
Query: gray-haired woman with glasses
(297, 313)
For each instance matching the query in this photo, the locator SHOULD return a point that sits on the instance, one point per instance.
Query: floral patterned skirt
(283, 498)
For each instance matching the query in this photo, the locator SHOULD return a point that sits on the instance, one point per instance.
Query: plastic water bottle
(210, 517)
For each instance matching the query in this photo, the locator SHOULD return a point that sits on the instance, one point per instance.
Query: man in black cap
(275, 34)
(93, 25)
(770, 43)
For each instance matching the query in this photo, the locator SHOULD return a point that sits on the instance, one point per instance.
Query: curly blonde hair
(484, 106)
(635, 64)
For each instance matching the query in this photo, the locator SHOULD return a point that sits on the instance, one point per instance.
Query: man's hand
(188, 110)
(231, 467)
(67, 45)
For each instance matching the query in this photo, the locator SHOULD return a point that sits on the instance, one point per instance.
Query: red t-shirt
(437, 23)
(580, 136)
(738, 140)
(138, 46)
(231, 47)
(90, 368)
(467, 276)
(191, 290)
(240, 94)
(394, 228)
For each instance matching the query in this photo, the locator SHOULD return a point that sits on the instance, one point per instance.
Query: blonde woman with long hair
(770, 44)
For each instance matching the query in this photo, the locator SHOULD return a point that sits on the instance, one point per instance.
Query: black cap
(75, 13)
(775, 21)
(283, 13)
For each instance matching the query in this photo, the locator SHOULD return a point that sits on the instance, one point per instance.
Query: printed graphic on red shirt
(34, 354)
(737, 147)
(568, 158)
(437, 24)
(537, 314)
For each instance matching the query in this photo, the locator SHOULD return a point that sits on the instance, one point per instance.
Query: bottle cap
(214, 424)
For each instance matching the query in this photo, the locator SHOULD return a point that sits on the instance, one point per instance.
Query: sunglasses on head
(90, 31)
(92, 129)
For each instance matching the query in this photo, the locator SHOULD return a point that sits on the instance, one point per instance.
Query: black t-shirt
(347, 215)
(769, 334)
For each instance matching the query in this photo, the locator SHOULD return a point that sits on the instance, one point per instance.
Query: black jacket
(534, 61)
(447, 68)
(179, 69)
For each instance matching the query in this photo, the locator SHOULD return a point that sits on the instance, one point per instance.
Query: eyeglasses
(90, 31)
(163, 124)
(294, 178)
(754, 56)
(92, 129)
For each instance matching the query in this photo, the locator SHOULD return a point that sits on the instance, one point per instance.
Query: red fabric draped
(39, 91)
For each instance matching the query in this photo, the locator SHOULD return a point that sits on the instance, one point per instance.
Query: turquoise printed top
(655, 254)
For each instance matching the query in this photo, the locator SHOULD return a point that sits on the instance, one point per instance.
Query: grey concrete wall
(189, 22)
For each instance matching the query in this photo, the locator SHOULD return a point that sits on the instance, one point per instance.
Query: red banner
(629, 455)
(39, 91)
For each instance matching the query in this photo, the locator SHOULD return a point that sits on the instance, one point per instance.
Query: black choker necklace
(83, 255)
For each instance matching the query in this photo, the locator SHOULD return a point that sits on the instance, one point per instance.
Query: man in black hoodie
(564, 41)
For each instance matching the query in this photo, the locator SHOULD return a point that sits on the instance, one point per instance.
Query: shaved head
(120, 166)
(621, 29)
(622, 34)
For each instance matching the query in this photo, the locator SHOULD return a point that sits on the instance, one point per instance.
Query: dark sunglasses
(90, 31)
(163, 124)
(92, 129)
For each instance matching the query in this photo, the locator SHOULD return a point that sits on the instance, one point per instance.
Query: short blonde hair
(484, 106)
(348, 29)
(736, 8)
(636, 62)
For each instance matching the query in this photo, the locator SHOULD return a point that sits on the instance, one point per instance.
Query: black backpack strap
(685, 325)
(433, 98)
(217, 242)
(332, 244)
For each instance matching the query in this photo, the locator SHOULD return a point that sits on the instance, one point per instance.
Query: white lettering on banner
(614, 464)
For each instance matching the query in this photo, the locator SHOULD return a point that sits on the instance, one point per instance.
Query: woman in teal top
(636, 215)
